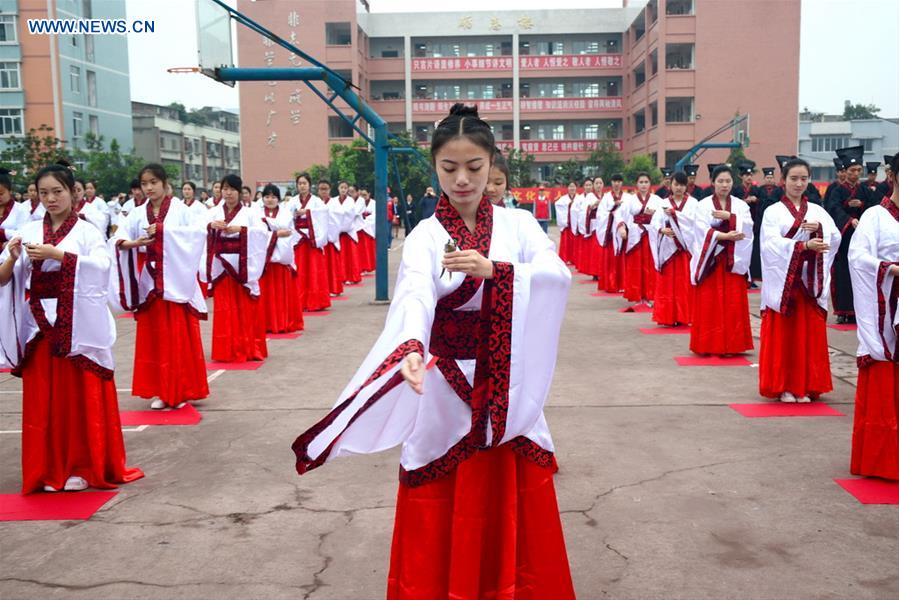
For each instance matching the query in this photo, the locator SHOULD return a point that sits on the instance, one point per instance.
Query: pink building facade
(646, 77)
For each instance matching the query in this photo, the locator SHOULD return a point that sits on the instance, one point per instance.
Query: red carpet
(872, 491)
(233, 366)
(754, 291)
(781, 409)
(586, 281)
(712, 361)
(606, 294)
(283, 336)
(680, 329)
(339, 298)
(5, 370)
(636, 308)
(187, 415)
(59, 506)
(346, 285)
(125, 315)
(316, 313)
(845, 327)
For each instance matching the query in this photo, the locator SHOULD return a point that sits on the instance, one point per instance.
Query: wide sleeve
(377, 410)
(13, 331)
(872, 283)
(656, 238)
(93, 328)
(743, 248)
(780, 258)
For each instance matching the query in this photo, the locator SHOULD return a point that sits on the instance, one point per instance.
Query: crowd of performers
(460, 374)
(66, 263)
(691, 253)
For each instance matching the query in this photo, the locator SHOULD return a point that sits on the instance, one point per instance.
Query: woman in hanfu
(157, 251)
(56, 333)
(874, 266)
(482, 293)
(282, 305)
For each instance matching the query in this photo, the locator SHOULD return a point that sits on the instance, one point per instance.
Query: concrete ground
(665, 492)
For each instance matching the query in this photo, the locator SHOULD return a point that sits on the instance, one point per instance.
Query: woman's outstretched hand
(413, 371)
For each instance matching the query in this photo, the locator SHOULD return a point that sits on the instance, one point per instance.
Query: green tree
(568, 171)
(736, 156)
(111, 168)
(316, 173)
(641, 163)
(859, 111)
(416, 172)
(27, 154)
(521, 165)
(606, 160)
(354, 163)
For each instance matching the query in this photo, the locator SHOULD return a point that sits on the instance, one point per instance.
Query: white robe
(605, 220)
(630, 208)
(337, 220)
(19, 215)
(199, 212)
(370, 227)
(578, 213)
(39, 211)
(180, 243)
(662, 246)
(246, 265)
(873, 249)
(706, 246)
(562, 205)
(428, 426)
(782, 259)
(587, 226)
(282, 252)
(92, 327)
(101, 214)
(319, 216)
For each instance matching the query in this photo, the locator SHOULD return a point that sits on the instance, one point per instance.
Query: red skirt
(367, 249)
(793, 353)
(282, 305)
(490, 529)
(565, 246)
(312, 276)
(238, 323)
(349, 250)
(721, 314)
(875, 436)
(612, 270)
(335, 269)
(674, 292)
(591, 259)
(70, 425)
(580, 243)
(639, 272)
(169, 362)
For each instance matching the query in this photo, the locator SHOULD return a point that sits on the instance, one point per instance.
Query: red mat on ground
(5, 370)
(236, 366)
(283, 336)
(680, 329)
(711, 361)
(636, 308)
(58, 506)
(187, 415)
(340, 298)
(368, 274)
(606, 294)
(871, 491)
(845, 327)
(754, 291)
(125, 315)
(781, 409)
(316, 313)
(346, 285)
(586, 281)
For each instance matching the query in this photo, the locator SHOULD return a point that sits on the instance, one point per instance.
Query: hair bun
(461, 110)
(61, 162)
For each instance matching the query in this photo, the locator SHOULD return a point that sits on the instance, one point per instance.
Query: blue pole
(381, 224)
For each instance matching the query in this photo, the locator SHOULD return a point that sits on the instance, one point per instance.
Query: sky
(864, 64)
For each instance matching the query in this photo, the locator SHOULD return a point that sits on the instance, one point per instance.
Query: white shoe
(157, 404)
(787, 397)
(804, 400)
(182, 405)
(73, 484)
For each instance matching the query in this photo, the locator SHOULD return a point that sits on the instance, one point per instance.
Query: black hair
(61, 171)
(81, 181)
(617, 177)
(463, 121)
(681, 178)
(246, 189)
(343, 181)
(499, 162)
(5, 179)
(192, 185)
(305, 176)
(272, 189)
(643, 174)
(233, 181)
(156, 170)
(894, 167)
(722, 168)
(325, 181)
(135, 184)
(794, 162)
(572, 183)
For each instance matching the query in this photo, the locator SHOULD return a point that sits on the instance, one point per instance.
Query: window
(447, 91)
(390, 53)
(9, 75)
(654, 62)
(7, 29)
(678, 56)
(585, 47)
(679, 7)
(91, 88)
(94, 124)
(551, 48)
(338, 34)
(828, 143)
(346, 74)
(11, 122)
(679, 110)
(338, 128)
(653, 114)
(75, 79)
(585, 131)
(89, 48)
(639, 121)
(639, 76)
(868, 144)
(77, 124)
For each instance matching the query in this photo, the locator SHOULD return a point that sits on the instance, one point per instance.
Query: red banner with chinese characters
(443, 106)
(504, 63)
(571, 104)
(557, 146)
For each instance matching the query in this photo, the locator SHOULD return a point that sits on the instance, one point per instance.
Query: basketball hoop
(184, 70)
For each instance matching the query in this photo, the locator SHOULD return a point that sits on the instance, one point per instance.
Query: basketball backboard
(214, 39)
(741, 131)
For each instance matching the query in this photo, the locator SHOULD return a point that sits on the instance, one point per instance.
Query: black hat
(712, 167)
(871, 167)
(746, 167)
(887, 160)
(768, 171)
(691, 170)
(782, 160)
(854, 155)
(666, 171)
(838, 164)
